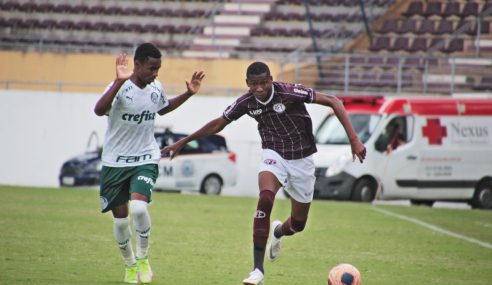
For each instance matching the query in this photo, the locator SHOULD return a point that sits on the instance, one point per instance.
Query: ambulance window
(331, 130)
(397, 132)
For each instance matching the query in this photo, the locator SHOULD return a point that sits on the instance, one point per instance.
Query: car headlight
(99, 166)
(95, 166)
(339, 164)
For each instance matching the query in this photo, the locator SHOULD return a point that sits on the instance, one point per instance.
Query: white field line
(434, 228)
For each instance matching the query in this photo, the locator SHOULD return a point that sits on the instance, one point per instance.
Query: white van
(422, 149)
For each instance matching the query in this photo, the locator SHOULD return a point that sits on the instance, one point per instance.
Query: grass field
(58, 236)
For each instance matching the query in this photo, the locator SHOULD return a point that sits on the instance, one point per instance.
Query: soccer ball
(344, 274)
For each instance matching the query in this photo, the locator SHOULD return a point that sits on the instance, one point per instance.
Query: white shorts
(296, 176)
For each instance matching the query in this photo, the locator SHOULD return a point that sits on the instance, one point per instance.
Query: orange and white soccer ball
(344, 274)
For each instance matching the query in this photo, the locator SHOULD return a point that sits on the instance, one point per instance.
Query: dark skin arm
(209, 128)
(358, 149)
(192, 87)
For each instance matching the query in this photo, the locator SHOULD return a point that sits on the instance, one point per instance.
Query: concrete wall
(92, 72)
(39, 130)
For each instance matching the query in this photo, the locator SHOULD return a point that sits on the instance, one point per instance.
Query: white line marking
(434, 228)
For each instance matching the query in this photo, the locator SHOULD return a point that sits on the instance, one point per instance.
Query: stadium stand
(234, 28)
(419, 47)
(416, 46)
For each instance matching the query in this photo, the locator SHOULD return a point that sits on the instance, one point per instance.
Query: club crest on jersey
(270, 161)
(154, 97)
(255, 112)
(279, 107)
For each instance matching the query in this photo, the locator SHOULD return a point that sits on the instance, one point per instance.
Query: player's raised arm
(358, 149)
(122, 74)
(210, 128)
(192, 88)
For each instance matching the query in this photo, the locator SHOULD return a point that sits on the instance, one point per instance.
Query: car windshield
(331, 130)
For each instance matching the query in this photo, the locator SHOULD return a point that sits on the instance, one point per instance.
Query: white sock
(123, 236)
(141, 223)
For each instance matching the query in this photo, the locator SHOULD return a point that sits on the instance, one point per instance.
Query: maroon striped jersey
(283, 121)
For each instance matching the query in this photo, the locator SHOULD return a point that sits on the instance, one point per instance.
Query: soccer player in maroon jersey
(288, 144)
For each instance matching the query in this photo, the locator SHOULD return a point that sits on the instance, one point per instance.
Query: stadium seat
(27, 7)
(444, 27)
(433, 9)
(484, 84)
(380, 43)
(415, 8)
(65, 25)
(484, 28)
(426, 27)
(418, 44)
(45, 8)
(451, 9)
(389, 26)
(96, 9)
(470, 9)
(47, 24)
(62, 8)
(79, 9)
(407, 26)
(455, 45)
(400, 44)
(113, 10)
(11, 6)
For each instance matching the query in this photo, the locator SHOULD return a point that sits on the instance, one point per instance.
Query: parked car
(204, 165)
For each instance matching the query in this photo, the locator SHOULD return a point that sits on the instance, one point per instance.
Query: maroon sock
(261, 223)
(261, 226)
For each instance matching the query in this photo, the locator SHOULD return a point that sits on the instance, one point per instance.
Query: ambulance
(418, 149)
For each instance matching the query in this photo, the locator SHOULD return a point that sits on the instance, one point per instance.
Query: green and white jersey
(129, 139)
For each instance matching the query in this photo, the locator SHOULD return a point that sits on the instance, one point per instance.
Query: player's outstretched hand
(171, 150)
(358, 150)
(122, 72)
(196, 80)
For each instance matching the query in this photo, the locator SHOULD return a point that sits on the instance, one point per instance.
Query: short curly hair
(146, 50)
(257, 68)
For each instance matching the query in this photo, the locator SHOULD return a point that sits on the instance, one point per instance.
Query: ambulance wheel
(211, 185)
(364, 190)
(483, 196)
(428, 203)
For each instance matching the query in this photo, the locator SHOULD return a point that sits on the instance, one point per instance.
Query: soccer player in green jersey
(131, 153)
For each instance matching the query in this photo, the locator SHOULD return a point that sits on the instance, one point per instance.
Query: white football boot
(255, 278)
(273, 247)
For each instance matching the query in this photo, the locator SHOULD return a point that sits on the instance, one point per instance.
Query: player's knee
(138, 208)
(265, 203)
(297, 226)
(121, 224)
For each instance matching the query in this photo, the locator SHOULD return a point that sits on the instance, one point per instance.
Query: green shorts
(117, 183)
